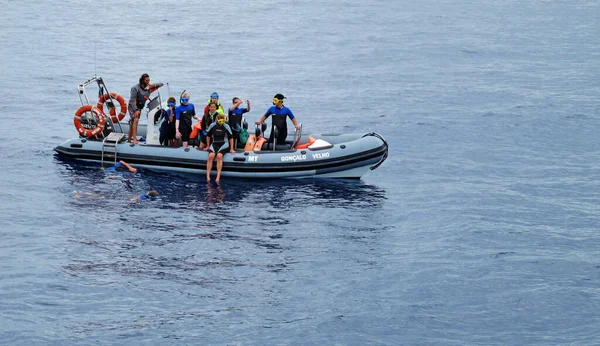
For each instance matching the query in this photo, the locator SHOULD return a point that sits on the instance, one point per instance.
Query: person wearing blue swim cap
(214, 98)
(183, 119)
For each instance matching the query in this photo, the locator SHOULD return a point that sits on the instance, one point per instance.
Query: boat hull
(348, 156)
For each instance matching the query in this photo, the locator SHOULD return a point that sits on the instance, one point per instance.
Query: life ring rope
(85, 132)
(122, 105)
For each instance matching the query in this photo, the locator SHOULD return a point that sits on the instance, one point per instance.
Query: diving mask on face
(171, 105)
(185, 99)
(276, 101)
(220, 121)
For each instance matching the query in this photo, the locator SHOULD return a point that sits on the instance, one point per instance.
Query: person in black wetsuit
(235, 115)
(183, 119)
(167, 128)
(280, 113)
(209, 117)
(219, 140)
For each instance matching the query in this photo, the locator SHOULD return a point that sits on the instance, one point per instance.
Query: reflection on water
(198, 232)
(214, 193)
(181, 190)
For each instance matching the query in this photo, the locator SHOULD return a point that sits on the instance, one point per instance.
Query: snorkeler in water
(120, 167)
(152, 195)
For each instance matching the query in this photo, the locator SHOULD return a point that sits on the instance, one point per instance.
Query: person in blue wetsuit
(219, 140)
(183, 119)
(152, 195)
(235, 116)
(279, 114)
(121, 166)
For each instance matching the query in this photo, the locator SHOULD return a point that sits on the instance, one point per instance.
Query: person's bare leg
(219, 166)
(130, 133)
(135, 127)
(209, 164)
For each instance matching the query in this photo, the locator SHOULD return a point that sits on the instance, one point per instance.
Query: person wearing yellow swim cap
(280, 113)
(217, 145)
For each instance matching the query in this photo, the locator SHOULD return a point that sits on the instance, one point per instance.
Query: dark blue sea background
(481, 228)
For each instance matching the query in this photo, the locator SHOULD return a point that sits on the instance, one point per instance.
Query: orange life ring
(122, 104)
(79, 126)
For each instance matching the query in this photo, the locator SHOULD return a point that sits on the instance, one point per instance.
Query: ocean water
(481, 228)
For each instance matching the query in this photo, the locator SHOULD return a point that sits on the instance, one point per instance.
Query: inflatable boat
(102, 138)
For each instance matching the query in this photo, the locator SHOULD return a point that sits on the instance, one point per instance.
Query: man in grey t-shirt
(139, 94)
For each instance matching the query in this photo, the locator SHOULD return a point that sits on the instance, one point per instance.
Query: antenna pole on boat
(95, 57)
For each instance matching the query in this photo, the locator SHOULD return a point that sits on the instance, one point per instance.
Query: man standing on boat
(280, 114)
(137, 100)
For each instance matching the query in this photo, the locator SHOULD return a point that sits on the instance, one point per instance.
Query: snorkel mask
(221, 121)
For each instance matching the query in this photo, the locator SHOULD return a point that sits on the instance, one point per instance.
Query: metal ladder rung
(111, 141)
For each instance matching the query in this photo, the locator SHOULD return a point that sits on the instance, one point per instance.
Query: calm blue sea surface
(481, 228)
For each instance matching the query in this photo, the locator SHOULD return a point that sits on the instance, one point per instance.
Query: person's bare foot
(217, 181)
(135, 142)
(208, 178)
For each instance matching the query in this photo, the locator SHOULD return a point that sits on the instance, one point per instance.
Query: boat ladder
(111, 141)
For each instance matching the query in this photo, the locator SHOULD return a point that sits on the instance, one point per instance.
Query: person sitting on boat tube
(280, 114)
(139, 94)
(183, 118)
(214, 98)
(217, 144)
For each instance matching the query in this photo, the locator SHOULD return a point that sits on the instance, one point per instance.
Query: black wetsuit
(220, 135)
(207, 120)
(235, 120)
